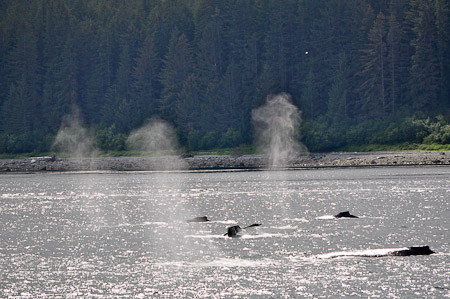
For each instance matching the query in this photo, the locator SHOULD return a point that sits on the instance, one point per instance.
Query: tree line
(362, 71)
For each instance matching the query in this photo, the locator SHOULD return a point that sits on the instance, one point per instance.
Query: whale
(233, 231)
(381, 252)
(198, 219)
(414, 250)
(345, 214)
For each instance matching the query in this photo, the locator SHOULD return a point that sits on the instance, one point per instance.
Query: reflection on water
(125, 234)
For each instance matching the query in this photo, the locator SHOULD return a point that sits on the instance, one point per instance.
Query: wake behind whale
(198, 219)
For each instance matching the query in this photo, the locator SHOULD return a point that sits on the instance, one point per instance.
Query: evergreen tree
(123, 78)
(442, 11)
(399, 54)
(166, 17)
(66, 90)
(375, 68)
(425, 74)
(3, 70)
(188, 105)
(330, 33)
(146, 86)
(56, 20)
(178, 66)
(211, 47)
(281, 45)
(92, 71)
(361, 22)
(22, 106)
(338, 94)
(230, 110)
(310, 94)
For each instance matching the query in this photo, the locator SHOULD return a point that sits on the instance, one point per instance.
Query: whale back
(415, 250)
(405, 251)
(345, 214)
(232, 231)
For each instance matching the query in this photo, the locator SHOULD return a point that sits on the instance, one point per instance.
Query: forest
(361, 71)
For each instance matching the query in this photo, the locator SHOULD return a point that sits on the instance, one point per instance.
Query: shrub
(209, 141)
(108, 139)
(440, 134)
(193, 140)
(231, 138)
(25, 143)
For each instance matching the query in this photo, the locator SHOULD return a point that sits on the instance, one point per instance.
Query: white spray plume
(73, 137)
(276, 125)
(159, 138)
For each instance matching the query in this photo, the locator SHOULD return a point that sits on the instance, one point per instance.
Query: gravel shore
(217, 162)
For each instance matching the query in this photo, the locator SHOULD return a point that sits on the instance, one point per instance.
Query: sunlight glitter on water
(105, 235)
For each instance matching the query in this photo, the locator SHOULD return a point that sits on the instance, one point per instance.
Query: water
(118, 235)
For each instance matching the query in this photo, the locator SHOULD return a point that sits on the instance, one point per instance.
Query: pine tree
(281, 45)
(123, 75)
(211, 48)
(399, 54)
(425, 75)
(442, 11)
(166, 17)
(188, 106)
(375, 69)
(146, 85)
(338, 102)
(361, 22)
(332, 27)
(56, 19)
(178, 66)
(229, 108)
(22, 106)
(67, 80)
(3, 70)
(394, 60)
(310, 94)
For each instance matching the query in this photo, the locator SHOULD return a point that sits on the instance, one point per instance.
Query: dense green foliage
(362, 71)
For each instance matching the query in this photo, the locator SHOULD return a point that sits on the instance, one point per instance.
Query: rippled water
(125, 235)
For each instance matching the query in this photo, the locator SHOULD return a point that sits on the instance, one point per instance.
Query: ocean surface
(125, 235)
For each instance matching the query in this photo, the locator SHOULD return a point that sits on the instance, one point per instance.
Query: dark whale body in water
(382, 252)
(415, 250)
(233, 231)
(345, 214)
(198, 219)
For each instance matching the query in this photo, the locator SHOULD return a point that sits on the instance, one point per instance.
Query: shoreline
(224, 162)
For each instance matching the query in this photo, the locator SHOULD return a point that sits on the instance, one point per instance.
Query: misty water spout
(170, 191)
(73, 137)
(276, 126)
(157, 137)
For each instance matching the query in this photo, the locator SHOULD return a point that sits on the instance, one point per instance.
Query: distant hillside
(361, 72)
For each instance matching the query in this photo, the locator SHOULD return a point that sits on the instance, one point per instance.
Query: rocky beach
(222, 162)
